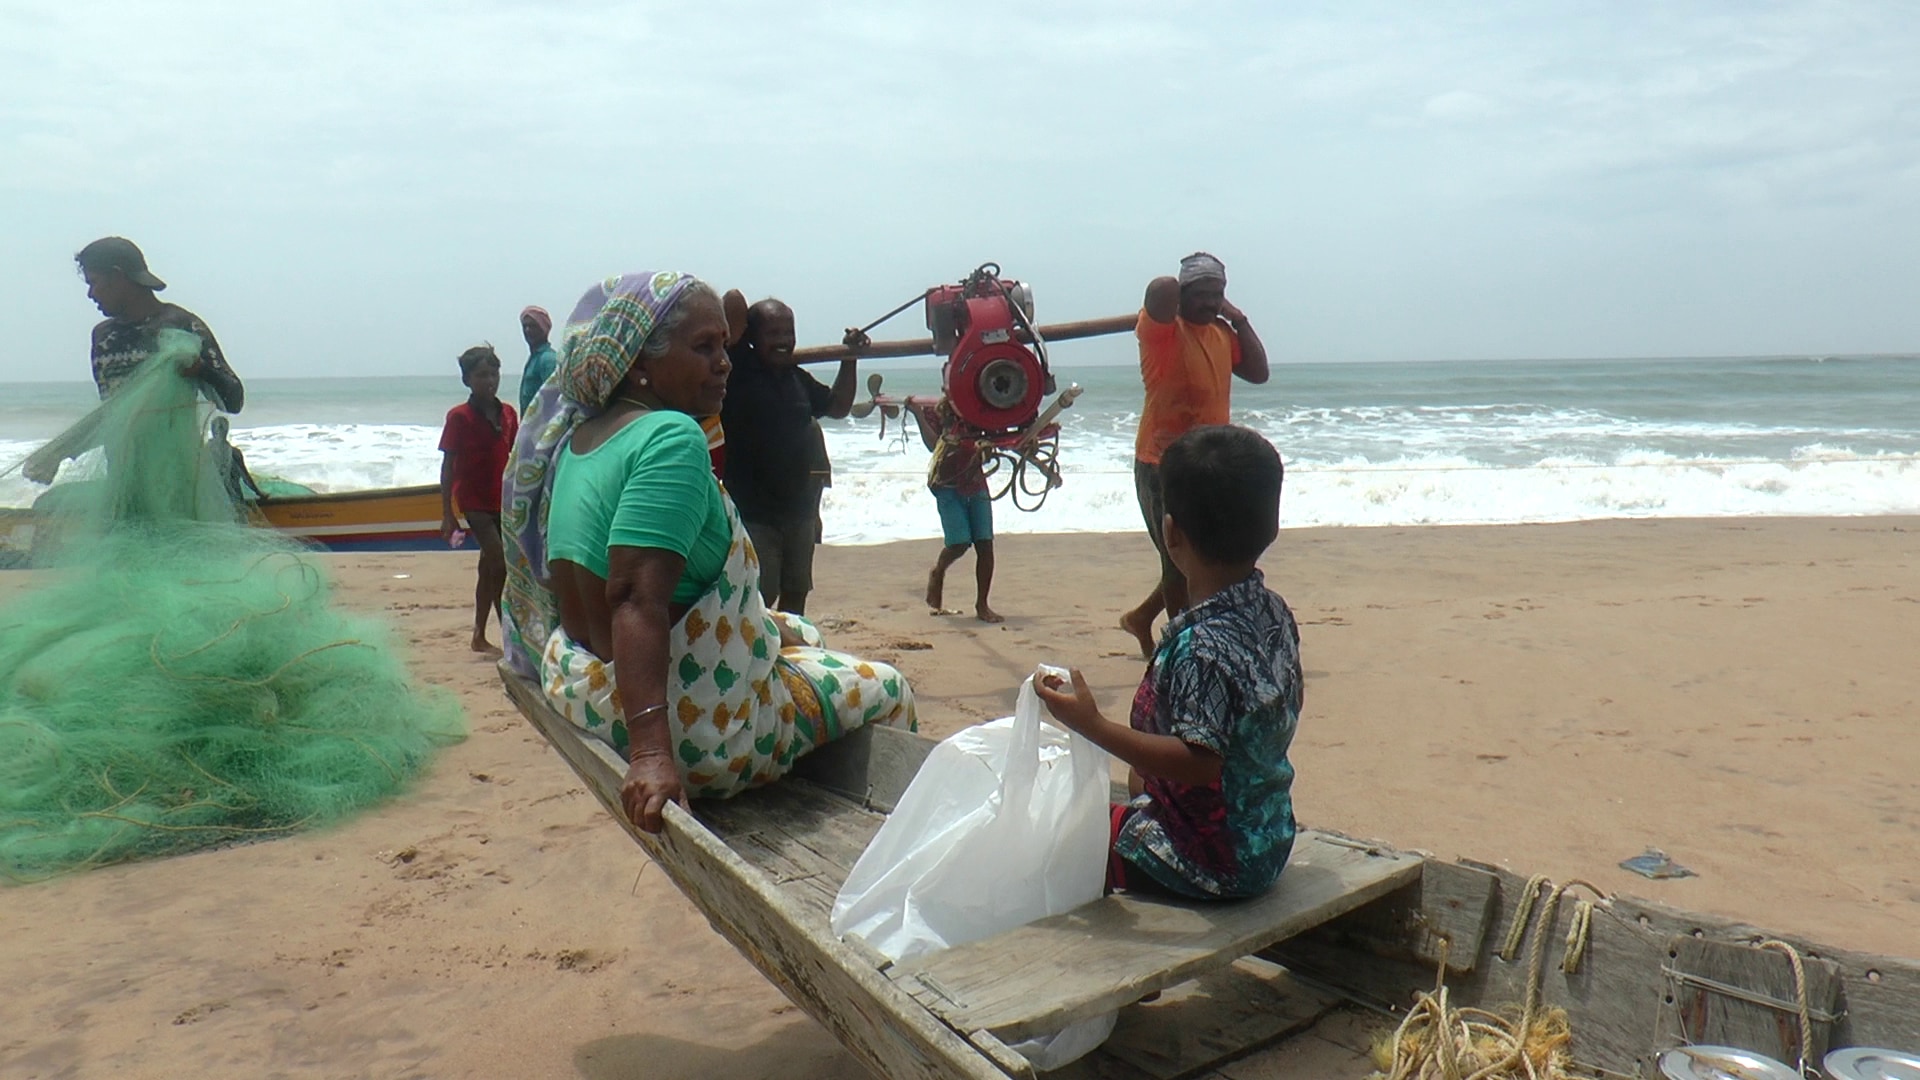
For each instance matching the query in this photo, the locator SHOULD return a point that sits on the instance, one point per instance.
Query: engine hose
(1030, 476)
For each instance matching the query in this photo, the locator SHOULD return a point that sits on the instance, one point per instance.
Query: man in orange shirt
(1193, 341)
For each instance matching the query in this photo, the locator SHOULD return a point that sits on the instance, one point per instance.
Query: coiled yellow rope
(1439, 1042)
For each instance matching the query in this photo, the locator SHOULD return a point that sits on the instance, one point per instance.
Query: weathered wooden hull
(764, 869)
(1651, 978)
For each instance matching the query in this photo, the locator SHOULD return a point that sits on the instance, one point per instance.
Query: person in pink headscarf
(535, 326)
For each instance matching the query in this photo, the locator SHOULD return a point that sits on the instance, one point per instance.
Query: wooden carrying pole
(1066, 331)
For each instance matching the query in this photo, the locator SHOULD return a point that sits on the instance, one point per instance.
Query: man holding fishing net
(121, 286)
(185, 680)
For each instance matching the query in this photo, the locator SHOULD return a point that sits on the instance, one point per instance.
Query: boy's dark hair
(1221, 485)
(474, 357)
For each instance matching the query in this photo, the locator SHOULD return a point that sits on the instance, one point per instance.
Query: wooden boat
(1349, 921)
(389, 519)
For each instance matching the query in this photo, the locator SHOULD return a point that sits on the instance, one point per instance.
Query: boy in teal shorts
(959, 486)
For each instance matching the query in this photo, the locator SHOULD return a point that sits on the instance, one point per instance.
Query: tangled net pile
(1439, 1042)
(180, 680)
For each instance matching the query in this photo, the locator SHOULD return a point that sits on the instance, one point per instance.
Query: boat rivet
(1699, 934)
(1873, 976)
(1644, 921)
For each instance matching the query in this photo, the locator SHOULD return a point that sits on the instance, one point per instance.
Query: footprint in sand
(584, 961)
(199, 1012)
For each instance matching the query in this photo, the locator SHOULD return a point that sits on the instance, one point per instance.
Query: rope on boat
(1439, 1042)
(1522, 916)
(1799, 998)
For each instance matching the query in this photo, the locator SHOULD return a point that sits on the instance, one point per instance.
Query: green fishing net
(178, 680)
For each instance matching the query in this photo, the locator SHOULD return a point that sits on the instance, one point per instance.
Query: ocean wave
(879, 492)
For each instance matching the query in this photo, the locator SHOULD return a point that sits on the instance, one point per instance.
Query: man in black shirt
(768, 418)
(121, 286)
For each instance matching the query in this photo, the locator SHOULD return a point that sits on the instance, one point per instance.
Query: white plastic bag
(1005, 823)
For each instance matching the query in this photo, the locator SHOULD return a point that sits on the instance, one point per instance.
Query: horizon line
(928, 361)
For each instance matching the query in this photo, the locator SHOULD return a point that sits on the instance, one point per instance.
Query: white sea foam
(1405, 444)
(879, 492)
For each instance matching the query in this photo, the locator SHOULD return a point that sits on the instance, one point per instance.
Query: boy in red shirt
(474, 444)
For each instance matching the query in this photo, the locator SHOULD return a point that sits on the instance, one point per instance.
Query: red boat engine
(995, 377)
(995, 381)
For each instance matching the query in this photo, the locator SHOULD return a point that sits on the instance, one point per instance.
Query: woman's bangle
(635, 717)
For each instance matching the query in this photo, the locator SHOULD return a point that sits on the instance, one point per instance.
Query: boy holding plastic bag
(1212, 813)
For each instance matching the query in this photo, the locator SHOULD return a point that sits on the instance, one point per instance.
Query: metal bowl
(1722, 1063)
(1866, 1063)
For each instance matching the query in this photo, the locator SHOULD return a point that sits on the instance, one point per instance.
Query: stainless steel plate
(1866, 1063)
(1722, 1063)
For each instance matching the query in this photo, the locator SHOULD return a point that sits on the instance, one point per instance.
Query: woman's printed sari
(741, 707)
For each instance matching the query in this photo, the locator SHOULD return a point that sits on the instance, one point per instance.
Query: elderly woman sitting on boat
(633, 593)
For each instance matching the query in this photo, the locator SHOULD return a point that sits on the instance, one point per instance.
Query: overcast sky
(348, 188)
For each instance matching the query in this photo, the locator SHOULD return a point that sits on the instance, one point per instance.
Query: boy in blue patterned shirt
(1212, 813)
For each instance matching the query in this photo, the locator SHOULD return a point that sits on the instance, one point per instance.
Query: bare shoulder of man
(1163, 299)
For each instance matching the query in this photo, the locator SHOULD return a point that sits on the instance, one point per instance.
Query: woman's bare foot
(987, 615)
(1142, 632)
(480, 644)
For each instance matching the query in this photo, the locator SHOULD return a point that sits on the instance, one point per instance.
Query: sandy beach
(1554, 698)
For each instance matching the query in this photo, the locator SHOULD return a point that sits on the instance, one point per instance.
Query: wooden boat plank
(1446, 913)
(1247, 1004)
(327, 498)
(1880, 995)
(871, 766)
(877, 1022)
(805, 881)
(802, 836)
(1696, 1011)
(797, 815)
(1039, 978)
(1451, 910)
